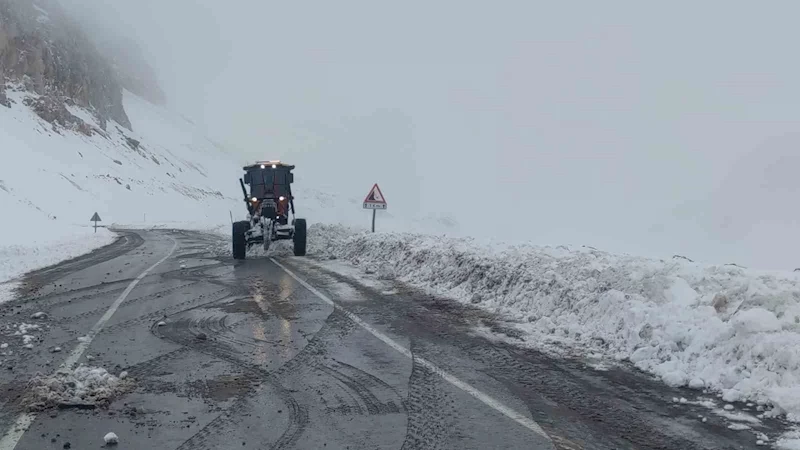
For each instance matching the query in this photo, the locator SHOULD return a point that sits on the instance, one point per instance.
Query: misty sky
(652, 129)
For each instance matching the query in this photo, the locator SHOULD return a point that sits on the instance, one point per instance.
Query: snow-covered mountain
(42, 48)
(73, 142)
(55, 176)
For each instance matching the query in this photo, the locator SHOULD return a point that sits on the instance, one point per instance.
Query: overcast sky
(631, 126)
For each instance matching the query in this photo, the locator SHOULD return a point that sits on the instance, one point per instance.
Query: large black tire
(239, 240)
(300, 237)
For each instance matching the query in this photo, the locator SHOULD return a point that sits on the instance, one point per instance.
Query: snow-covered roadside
(53, 178)
(34, 252)
(718, 328)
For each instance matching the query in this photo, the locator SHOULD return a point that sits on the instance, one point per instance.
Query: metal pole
(374, 211)
(95, 226)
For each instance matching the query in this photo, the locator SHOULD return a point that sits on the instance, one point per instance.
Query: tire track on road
(30, 303)
(149, 367)
(34, 281)
(481, 396)
(166, 311)
(363, 386)
(427, 425)
(68, 318)
(303, 361)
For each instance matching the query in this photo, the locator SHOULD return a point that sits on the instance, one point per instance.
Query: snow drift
(720, 328)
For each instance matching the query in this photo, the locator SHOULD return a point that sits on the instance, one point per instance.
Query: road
(284, 353)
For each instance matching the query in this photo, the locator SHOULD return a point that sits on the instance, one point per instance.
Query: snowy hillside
(727, 330)
(54, 177)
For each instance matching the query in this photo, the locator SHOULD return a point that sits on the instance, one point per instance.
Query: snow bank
(722, 328)
(84, 387)
(789, 441)
(17, 259)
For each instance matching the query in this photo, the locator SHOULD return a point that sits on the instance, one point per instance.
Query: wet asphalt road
(250, 358)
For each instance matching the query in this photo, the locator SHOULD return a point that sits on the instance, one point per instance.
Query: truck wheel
(239, 240)
(300, 237)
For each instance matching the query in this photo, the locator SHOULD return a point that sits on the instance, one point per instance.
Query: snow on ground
(22, 334)
(163, 173)
(17, 259)
(111, 439)
(83, 387)
(790, 441)
(719, 328)
(24, 328)
(16, 336)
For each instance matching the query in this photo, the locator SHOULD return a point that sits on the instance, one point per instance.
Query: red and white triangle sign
(375, 199)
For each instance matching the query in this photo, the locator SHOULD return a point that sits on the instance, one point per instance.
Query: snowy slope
(53, 179)
(66, 176)
(724, 329)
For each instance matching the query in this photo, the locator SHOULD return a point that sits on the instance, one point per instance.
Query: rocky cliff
(41, 48)
(131, 67)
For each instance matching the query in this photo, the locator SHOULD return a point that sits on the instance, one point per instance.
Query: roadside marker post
(375, 201)
(95, 218)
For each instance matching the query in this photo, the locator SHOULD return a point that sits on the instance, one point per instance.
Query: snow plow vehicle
(269, 204)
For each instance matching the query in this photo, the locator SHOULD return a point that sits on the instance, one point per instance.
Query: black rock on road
(287, 354)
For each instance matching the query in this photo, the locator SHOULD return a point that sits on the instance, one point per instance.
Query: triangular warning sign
(375, 196)
(95, 218)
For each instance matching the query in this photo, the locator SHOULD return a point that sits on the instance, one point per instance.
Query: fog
(652, 129)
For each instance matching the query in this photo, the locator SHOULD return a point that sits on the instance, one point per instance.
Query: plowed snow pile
(722, 328)
(84, 387)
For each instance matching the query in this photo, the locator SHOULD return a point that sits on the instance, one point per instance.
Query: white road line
(19, 428)
(466, 387)
(24, 421)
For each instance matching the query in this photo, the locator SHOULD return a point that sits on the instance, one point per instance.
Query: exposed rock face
(131, 68)
(42, 48)
(53, 110)
(3, 98)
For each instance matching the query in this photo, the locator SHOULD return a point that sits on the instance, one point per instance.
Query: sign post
(95, 218)
(375, 201)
